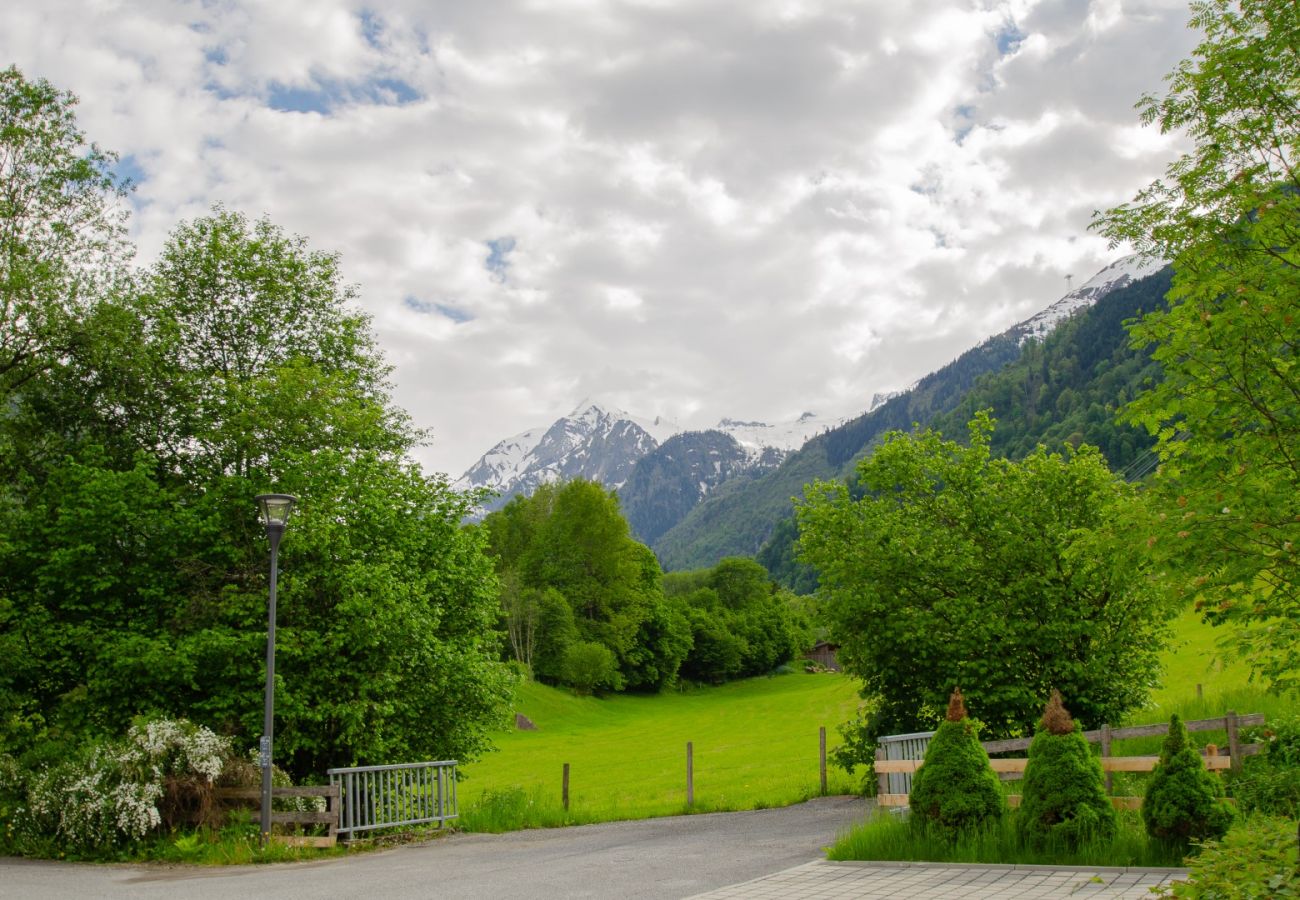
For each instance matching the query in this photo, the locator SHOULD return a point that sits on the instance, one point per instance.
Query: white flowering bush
(113, 794)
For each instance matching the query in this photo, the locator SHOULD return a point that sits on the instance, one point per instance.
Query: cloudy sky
(687, 208)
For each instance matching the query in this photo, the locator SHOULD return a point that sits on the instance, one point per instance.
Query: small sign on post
(264, 753)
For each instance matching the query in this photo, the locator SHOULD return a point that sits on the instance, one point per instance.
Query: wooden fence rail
(1015, 767)
(328, 817)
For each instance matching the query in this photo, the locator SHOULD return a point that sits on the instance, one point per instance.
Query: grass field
(755, 745)
(755, 741)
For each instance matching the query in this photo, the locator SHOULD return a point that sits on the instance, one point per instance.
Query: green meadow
(755, 742)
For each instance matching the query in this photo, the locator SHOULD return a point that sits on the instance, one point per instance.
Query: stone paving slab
(825, 880)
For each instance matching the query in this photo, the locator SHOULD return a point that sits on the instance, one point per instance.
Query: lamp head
(275, 509)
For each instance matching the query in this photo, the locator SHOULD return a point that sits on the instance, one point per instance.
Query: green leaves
(1005, 578)
(1227, 414)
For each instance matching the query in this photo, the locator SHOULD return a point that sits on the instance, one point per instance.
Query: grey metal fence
(386, 796)
(904, 746)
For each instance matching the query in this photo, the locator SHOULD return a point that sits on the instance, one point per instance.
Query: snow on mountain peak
(1118, 274)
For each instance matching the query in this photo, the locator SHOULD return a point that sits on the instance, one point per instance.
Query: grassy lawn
(755, 745)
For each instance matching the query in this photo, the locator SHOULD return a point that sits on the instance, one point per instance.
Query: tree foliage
(571, 543)
(132, 568)
(954, 567)
(1063, 800)
(1183, 801)
(62, 227)
(1227, 414)
(956, 790)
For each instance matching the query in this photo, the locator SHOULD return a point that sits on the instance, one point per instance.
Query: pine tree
(955, 789)
(1184, 802)
(1064, 795)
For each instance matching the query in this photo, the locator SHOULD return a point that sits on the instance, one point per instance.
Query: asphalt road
(656, 859)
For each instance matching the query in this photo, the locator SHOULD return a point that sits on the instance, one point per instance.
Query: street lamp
(275, 514)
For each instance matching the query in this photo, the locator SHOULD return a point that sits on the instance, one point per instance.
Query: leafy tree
(958, 568)
(62, 227)
(1183, 801)
(1227, 414)
(1064, 796)
(572, 539)
(589, 666)
(956, 790)
(132, 570)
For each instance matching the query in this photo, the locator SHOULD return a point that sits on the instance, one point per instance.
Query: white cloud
(713, 207)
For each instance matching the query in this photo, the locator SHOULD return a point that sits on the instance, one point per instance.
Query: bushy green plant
(589, 666)
(1184, 802)
(116, 792)
(955, 790)
(1064, 798)
(1270, 781)
(1257, 859)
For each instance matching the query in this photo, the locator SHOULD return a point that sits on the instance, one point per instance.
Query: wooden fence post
(822, 744)
(690, 776)
(1199, 692)
(1234, 745)
(1105, 751)
(882, 780)
(564, 790)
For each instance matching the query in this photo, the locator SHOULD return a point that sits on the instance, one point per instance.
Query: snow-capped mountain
(757, 437)
(603, 444)
(1115, 276)
(591, 442)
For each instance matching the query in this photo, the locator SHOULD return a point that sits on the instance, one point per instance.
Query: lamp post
(275, 514)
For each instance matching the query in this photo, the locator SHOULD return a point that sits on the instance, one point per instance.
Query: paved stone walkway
(823, 880)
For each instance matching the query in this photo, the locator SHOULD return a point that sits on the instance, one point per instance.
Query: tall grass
(888, 836)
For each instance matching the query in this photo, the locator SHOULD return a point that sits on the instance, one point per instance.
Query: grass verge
(888, 836)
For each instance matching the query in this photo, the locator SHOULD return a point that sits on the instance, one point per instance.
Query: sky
(693, 209)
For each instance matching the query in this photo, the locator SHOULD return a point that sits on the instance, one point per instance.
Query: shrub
(117, 792)
(1270, 782)
(1256, 859)
(1184, 802)
(1064, 800)
(955, 790)
(589, 665)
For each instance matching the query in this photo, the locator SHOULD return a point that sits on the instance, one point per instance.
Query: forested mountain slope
(1065, 389)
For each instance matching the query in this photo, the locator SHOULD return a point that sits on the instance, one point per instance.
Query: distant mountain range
(674, 485)
(605, 444)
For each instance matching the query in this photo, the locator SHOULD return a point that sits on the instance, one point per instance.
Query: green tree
(62, 227)
(1064, 800)
(132, 569)
(958, 568)
(589, 666)
(1227, 414)
(956, 790)
(1184, 802)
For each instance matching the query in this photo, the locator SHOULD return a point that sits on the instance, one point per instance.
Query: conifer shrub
(1184, 802)
(1064, 798)
(955, 790)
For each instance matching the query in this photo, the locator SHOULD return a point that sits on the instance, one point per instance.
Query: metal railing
(387, 796)
(903, 746)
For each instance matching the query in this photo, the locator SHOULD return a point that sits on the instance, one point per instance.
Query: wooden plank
(1017, 764)
(891, 799)
(320, 790)
(1013, 801)
(1132, 731)
(304, 818)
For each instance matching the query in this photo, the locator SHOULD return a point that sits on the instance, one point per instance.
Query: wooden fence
(1015, 767)
(329, 818)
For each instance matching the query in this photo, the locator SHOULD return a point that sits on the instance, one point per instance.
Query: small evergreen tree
(955, 789)
(1184, 802)
(1064, 794)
